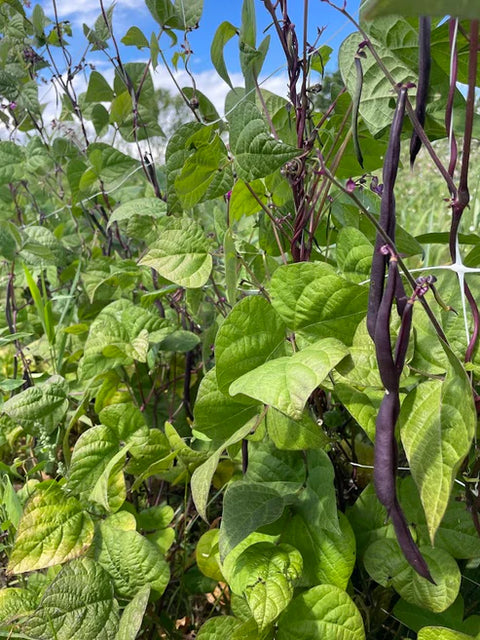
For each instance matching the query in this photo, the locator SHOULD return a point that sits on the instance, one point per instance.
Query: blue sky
(134, 12)
(129, 13)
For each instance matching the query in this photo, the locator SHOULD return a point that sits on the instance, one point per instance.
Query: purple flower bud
(228, 195)
(12, 106)
(350, 185)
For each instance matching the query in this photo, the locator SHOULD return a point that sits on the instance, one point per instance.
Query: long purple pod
(387, 213)
(407, 545)
(390, 167)
(385, 453)
(424, 64)
(403, 337)
(383, 348)
(384, 478)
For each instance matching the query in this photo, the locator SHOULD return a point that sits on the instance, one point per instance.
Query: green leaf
(284, 470)
(417, 617)
(218, 627)
(288, 434)
(98, 89)
(441, 633)
(164, 12)
(110, 491)
(217, 415)
(41, 408)
(110, 166)
(441, 8)
(143, 207)
(177, 151)
(206, 109)
(180, 341)
(53, 529)
(246, 508)
(325, 611)
(386, 564)
(136, 38)
(315, 302)
(157, 517)
(92, 452)
(354, 254)
(132, 615)
(42, 248)
(317, 502)
(199, 171)
(328, 557)
(257, 154)
(202, 476)
(251, 334)
(362, 406)
(78, 605)
(207, 555)
(11, 504)
(132, 561)
(456, 533)
(375, 106)
(15, 603)
(100, 119)
(225, 32)
(128, 423)
(286, 383)
(230, 261)
(8, 245)
(437, 431)
(243, 202)
(112, 336)
(369, 520)
(265, 574)
(181, 254)
(189, 13)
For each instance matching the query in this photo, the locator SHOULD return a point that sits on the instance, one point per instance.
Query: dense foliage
(206, 331)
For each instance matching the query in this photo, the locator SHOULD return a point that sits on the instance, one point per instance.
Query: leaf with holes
(265, 574)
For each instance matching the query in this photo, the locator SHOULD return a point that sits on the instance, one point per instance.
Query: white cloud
(210, 84)
(87, 11)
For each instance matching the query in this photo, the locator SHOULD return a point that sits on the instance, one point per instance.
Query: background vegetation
(190, 394)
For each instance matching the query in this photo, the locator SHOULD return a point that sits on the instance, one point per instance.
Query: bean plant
(239, 398)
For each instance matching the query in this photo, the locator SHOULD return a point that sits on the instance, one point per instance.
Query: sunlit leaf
(54, 528)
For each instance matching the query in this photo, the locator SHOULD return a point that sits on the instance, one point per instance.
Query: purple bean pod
(384, 478)
(403, 337)
(424, 64)
(387, 213)
(407, 545)
(383, 348)
(385, 460)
